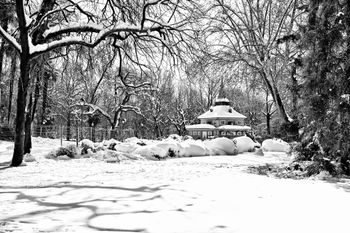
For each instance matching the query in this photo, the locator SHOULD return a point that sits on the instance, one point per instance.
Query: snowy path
(199, 195)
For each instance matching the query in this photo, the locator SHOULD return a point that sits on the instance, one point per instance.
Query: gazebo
(221, 120)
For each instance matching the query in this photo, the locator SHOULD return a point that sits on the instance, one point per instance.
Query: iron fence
(73, 133)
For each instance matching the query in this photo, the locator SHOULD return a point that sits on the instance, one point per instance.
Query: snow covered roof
(222, 100)
(221, 111)
(200, 126)
(234, 127)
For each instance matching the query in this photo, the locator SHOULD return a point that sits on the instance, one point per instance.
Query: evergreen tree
(326, 86)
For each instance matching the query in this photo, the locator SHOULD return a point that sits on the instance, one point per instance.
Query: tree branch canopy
(54, 24)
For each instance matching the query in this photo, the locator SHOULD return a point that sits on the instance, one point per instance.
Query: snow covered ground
(212, 194)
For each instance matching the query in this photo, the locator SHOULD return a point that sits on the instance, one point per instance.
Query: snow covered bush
(111, 143)
(191, 148)
(222, 146)
(29, 158)
(276, 145)
(187, 137)
(151, 152)
(175, 137)
(126, 147)
(85, 145)
(70, 151)
(245, 144)
(171, 146)
(141, 142)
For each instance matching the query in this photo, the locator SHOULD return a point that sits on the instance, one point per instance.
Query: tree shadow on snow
(49, 207)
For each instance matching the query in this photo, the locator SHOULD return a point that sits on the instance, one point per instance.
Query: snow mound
(151, 152)
(29, 158)
(175, 137)
(86, 143)
(222, 146)
(141, 142)
(191, 148)
(126, 147)
(276, 145)
(187, 137)
(245, 144)
(111, 143)
(171, 146)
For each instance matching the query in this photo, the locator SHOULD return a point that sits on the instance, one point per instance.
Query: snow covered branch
(78, 40)
(10, 39)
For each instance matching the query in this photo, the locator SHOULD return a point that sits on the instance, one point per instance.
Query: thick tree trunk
(12, 80)
(20, 112)
(23, 83)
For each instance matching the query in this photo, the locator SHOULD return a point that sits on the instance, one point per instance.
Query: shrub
(70, 151)
(86, 144)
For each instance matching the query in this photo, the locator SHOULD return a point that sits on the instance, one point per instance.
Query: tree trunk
(30, 116)
(36, 96)
(276, 97)
(27, 126)
(44, 104)
(68, 126)
(294, 90)
(268, 127)
(2, 53)
(20, 112)
(12, 80)
(4, 25)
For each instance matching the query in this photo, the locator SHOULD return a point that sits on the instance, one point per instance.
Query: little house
(221, 120)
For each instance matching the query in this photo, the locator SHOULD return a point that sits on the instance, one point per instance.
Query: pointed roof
(221, 111)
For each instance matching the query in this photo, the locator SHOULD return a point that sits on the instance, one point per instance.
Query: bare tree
(54, 24)
(247, 32)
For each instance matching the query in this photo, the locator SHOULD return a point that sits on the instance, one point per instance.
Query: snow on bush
(151, 152)
(126, 147)
(29, 158)
(191, 148)
(86, 144)
(171, 146)
(187, 137)
(245, 144)
(141, 142)
(175, 137)
(221, 146)
(111, 143)
(70, 151)
(276, 145)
